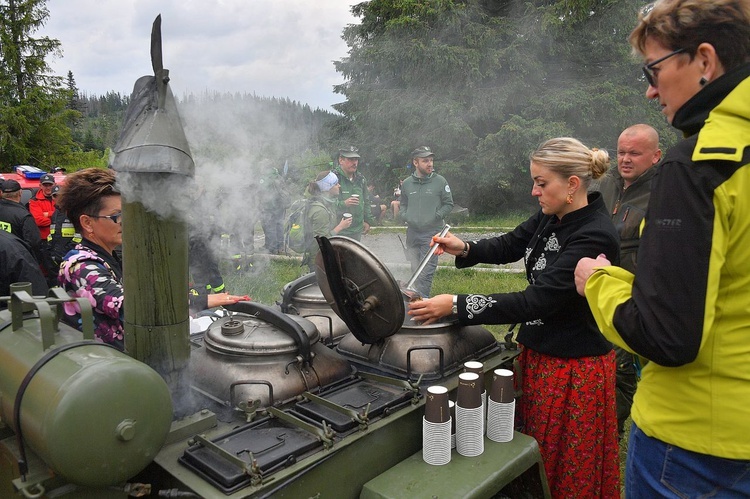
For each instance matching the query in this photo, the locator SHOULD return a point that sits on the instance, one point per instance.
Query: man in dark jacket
(426, 200)
(18, 265)
(626, 192)
(16, 219)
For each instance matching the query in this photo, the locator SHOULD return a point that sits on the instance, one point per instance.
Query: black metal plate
(272, 445)
(354, 397)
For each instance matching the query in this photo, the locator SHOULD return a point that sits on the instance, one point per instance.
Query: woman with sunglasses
(686, 307)
(92, 269)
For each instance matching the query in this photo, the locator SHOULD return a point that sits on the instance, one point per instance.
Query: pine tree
(33, 113)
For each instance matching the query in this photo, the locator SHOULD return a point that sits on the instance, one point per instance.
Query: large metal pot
(383, 338)
(303, 297)
(260, 357)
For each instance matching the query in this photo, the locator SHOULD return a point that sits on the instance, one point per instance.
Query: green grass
(263, 281)
(489, 222)
(510, 219)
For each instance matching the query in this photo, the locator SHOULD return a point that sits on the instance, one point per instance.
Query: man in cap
(426, 200)
(42, 206)
(353, 195)
(16, 219)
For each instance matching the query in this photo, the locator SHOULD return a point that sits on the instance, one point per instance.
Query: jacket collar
(596, 203)
(691, 117)
(422, 179)
(110, 259)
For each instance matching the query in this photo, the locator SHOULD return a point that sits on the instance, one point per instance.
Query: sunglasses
(648, 69)
(115, 218)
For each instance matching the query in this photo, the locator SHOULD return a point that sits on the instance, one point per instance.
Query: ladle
(409, 291)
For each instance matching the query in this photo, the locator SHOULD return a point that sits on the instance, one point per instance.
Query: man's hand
(584, 269)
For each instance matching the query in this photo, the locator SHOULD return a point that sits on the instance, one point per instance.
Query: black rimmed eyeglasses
(648, 69)
(115, 218)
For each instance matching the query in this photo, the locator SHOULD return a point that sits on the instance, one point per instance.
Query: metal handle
(426, 259)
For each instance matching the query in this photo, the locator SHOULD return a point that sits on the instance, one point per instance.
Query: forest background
(482, 82)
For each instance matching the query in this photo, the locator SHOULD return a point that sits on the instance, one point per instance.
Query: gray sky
(273, 48)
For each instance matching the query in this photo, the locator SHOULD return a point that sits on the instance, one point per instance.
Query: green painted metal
(516, 464)
(93, 415)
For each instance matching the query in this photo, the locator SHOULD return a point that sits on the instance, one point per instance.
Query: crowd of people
(650, 256)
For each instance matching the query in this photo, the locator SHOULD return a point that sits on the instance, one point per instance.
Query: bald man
(626, 193)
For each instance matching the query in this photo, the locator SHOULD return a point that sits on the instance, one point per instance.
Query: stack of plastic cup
(469, 416)
(436, 427)
(474, 366)
(501, 406)
(452, 406)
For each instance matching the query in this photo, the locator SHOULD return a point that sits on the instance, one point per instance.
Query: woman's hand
(223, 299)
(345, 223)
(449, 244)
(432, 309)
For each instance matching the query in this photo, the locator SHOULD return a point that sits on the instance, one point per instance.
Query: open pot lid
(359, 288)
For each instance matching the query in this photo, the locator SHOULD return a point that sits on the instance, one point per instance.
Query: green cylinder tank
(94, 415)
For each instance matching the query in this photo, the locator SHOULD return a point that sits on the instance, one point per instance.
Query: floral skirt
(568, 406)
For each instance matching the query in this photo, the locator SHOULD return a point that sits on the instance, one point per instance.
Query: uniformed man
(16, 219)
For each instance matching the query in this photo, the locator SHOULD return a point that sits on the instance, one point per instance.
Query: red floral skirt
(568, 406)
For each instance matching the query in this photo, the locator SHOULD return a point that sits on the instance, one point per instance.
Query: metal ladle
(409, 290)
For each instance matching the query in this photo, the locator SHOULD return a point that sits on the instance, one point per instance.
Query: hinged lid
(359, 288)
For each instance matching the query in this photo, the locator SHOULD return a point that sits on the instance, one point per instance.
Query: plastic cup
(436, 408)
(469, 393)
(347, 215)
(502, 389)
(469, 431)
(500, 421)
(436, 442)
(474, 366)
(452, 406)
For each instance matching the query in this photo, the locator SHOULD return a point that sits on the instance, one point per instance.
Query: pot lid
(243, 334)
(359, 288)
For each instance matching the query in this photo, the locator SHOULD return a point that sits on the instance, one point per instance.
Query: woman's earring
(702, 82)
(569, 199)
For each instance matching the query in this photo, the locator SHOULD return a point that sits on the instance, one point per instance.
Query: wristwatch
(465, 251)
(454, 310)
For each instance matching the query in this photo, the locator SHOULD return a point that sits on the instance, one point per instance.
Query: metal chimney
(153, 160)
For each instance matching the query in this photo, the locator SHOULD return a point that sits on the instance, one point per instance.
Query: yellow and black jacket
(687, 309)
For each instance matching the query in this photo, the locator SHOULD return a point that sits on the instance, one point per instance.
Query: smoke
(239, 145)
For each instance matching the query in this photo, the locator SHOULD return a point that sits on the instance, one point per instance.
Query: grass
(489, 222)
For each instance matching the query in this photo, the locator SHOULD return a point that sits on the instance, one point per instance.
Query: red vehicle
(28, 177)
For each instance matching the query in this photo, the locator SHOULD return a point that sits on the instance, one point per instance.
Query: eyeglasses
(115, 218)
(648, 69)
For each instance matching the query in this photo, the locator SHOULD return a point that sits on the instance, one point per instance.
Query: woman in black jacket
(568, 368)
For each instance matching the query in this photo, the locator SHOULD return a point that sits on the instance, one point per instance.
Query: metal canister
(94, 415)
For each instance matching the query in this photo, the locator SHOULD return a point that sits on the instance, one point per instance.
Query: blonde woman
(568, 367)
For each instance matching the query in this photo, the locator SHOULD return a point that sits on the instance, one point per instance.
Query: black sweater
(555, 319)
